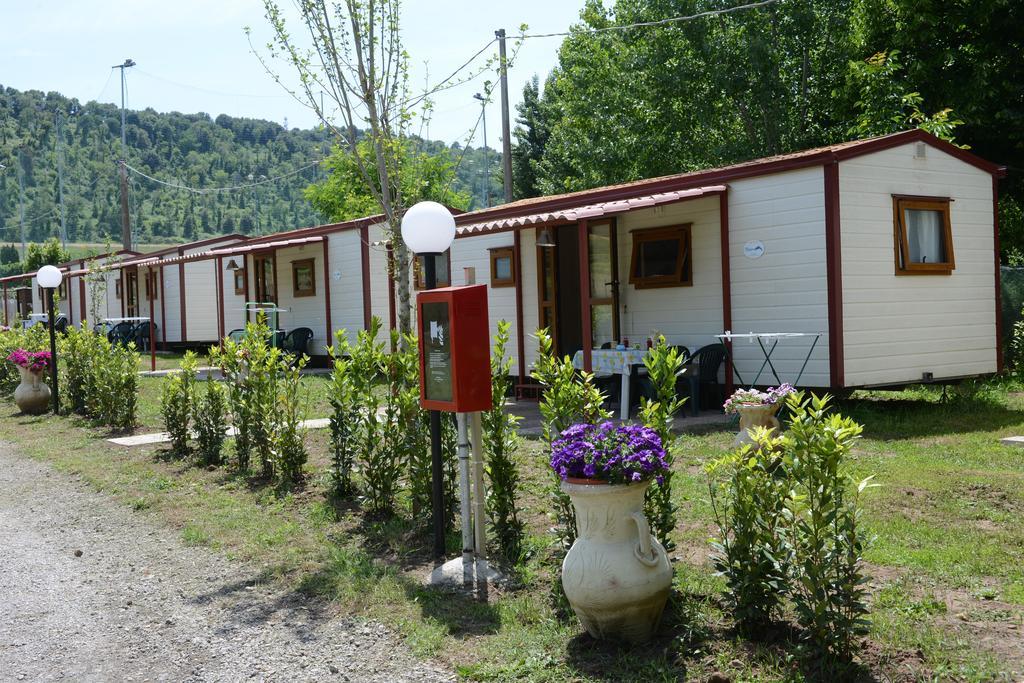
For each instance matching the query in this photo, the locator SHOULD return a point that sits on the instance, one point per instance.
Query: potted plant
(616, 575)
(32, 395)
(756, 409)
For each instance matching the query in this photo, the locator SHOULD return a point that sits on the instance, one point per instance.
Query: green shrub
(252, 367)
(99, 379)
(827, 540)
(289, 450)
(177, 404)
(748, 492)
(788, 515)
(569, 397)
(500, 440)
(345, 406)
(664, 363)
(210, 417)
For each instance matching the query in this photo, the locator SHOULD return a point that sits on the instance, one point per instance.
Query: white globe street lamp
(49, 278)
(428, 229)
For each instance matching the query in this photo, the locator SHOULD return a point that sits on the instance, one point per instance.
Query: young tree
(355, 57)
(342, 195)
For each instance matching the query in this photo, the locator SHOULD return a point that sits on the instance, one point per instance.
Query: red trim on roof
(756, 167)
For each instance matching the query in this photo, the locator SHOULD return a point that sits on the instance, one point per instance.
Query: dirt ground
(94, 592)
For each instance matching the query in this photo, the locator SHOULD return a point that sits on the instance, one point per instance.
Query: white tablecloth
(612, 361)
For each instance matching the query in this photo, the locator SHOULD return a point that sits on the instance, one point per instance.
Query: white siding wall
(303, 311)
(472, 252)
(898, 327)
(379, 278)
(200, 301)
(786, 289)
(234, 315)
(690, 316)
(172, 303)
(346, 273)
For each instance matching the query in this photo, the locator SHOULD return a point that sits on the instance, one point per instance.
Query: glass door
(132, 293)
(547, 287)
(604, 284)
(264, 276)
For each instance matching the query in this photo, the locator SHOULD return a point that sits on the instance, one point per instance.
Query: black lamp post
(428, 229)
(49, 278)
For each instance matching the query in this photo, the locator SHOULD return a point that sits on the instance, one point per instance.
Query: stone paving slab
(1017, 441)
(164, 437)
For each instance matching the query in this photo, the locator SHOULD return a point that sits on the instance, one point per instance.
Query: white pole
(464, 500)
(479, 499)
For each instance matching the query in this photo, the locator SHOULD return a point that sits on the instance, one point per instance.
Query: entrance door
(558, 287)
(132, 293)
(264, 275)
(604, 283)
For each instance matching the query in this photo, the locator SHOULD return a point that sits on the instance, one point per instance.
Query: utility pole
(21, 204)
(126, 228)
(506, 135)
(487, 157)
(60, 179)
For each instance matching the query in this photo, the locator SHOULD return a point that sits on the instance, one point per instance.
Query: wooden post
(327, 295)
(150, 289)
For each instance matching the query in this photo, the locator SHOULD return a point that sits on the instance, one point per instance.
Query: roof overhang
(573, 214)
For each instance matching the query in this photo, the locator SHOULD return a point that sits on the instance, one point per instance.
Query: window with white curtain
(924, 241)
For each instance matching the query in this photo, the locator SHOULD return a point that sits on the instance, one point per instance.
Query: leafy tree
(884, 105)
(531, 137)
(343, 195)
(648, 101)
(49, 252)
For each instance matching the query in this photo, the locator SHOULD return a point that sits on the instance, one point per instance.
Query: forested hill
(186, 149)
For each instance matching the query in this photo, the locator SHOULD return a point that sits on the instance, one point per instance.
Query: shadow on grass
(689, 642)
(898, 417)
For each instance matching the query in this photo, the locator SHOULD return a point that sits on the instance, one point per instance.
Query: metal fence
(1012, 280)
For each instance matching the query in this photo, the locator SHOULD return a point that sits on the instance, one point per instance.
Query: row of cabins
(887, 247)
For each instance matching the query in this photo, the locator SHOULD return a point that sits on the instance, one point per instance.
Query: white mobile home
(887, 248)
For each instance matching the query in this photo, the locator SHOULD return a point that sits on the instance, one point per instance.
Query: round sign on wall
(753, 249)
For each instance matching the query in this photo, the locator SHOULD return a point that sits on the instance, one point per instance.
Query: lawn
(947, 556)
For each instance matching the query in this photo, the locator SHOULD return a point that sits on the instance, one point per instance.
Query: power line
(657, 22)
(229, 188)
(207, 90)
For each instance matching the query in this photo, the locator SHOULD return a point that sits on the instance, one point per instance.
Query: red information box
(455, 349)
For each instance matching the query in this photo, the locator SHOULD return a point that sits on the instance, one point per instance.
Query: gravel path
(90, 591)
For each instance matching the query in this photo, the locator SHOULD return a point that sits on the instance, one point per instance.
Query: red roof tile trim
(575, 213)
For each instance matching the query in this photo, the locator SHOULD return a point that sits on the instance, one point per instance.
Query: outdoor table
(614, 362)
(34, 319)
(773, 339)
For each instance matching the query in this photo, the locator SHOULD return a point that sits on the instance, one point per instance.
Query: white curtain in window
(924, 236)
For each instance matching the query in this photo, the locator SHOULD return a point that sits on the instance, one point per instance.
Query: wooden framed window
(117, 288)
(661, 257)
(923, 235)
(444, 270)
(239, 281)
(303, 278)
(503, 272)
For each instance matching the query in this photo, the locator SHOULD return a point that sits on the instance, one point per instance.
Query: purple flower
(615, 453)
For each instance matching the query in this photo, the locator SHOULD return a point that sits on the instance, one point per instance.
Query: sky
(193, 55)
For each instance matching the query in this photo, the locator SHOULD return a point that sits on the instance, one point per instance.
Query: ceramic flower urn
(33, 395)
(755, 415)
(616, 575)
